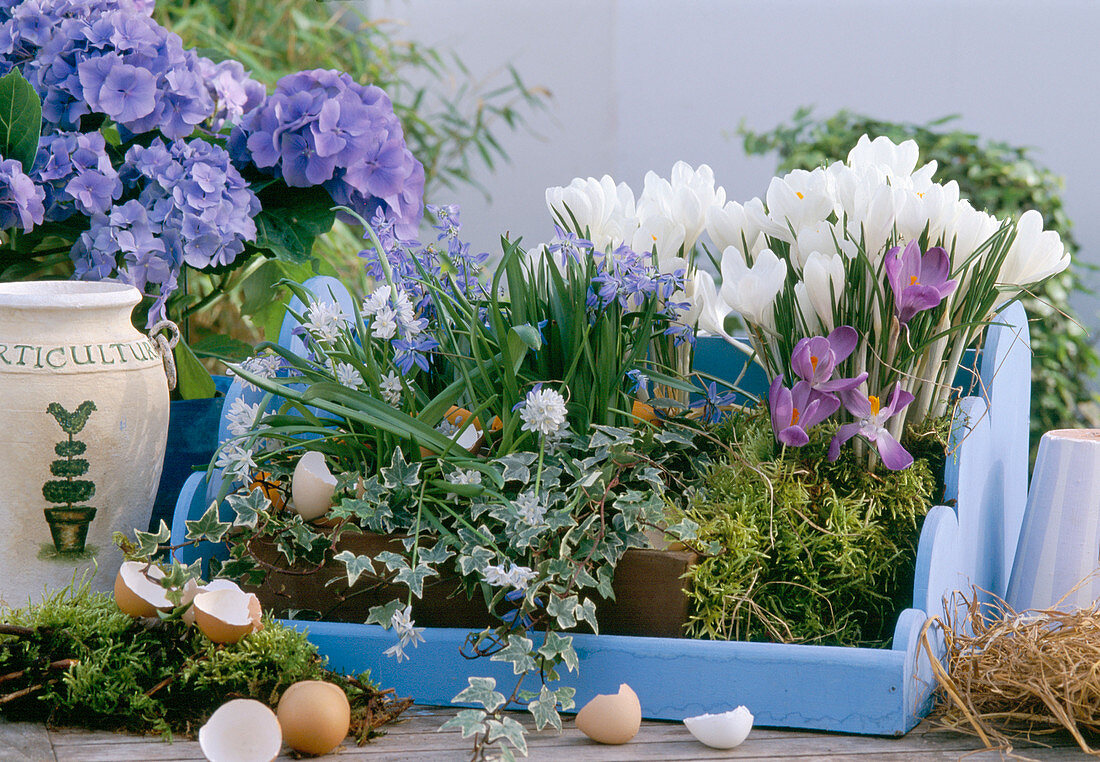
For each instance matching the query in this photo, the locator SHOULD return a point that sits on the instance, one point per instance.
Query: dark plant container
(650, 599)
(69, 527)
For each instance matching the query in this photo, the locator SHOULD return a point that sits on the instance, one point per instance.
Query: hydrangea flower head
(21, 201)
(322, 127)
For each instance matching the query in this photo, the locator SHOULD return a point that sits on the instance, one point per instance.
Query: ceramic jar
(1057, 561)
(83, 422)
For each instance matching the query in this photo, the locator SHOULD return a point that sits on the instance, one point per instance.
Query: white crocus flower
(806, 308)
(684, 199)
(967, 230)
(1035, 254)
(660, 233)
(872, 221)
(735, 225)
(795, 201)
(823, 277)
(605, 209)
(708, 309)
(751, 291)
(898, 159)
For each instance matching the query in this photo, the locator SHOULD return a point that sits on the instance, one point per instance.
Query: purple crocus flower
(814, 360)
(919, 282)
(871, 415)
(795, 410)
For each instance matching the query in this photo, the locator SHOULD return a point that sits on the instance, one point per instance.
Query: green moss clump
(162, 677)
(811, 551)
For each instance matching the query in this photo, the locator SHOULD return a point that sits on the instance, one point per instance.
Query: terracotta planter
(650, 599)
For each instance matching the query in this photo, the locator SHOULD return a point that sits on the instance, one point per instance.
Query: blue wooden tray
(853, 690)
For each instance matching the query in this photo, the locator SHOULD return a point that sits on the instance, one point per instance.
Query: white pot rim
(52, 294)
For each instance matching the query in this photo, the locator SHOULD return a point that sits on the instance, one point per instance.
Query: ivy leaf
(560, 647)
(586, 611)
(474, 560)
(674, 436)
(383, 615)
(400, 473)
(355, 565)
(517, 466)
(469, 721)
(20, 119)
(209, 527)
(480, 691)
(508, 729)
(609, 436)
(149, 542)
(393, 561)
(545, 709)
(414, 578)
(518, 653)
(565, 697)
(248, 509)
(436, 554)
(684, 529)
(563, 610)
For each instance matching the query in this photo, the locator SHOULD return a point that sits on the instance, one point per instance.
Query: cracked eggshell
(227, 615)
(191, 588)
(611, 718)
(137, 591)
(315, 716)
(242, 730)
(312, 486)
(721, 731)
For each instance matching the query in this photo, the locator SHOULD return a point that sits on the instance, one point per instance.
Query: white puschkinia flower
(530, 508)
(391, 388)
(407, 634)
(390, 308)
(236, 460)
(447, 428)
(347, 375)
(465, 476)
(543, 411)
(384, 324)
(241, 417)
(324, 320)
(515, 576)
(264, 366)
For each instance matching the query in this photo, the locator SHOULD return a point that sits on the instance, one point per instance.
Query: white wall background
(640, 84)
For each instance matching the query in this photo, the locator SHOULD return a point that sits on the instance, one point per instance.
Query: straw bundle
(1012, 676)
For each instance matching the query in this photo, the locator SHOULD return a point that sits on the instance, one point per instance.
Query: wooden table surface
(417, 738)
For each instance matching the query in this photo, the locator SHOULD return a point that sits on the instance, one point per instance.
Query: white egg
(242, 730)
(312, 486)
(721, 731)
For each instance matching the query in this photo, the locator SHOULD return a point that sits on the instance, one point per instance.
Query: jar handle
(165, 345)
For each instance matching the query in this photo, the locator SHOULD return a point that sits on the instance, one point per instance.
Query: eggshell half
(242, 730)
(611, 718)
(721, 731)
(315, 716)
(137, 591)
(191, 588)
(227, 615)
(312, 486)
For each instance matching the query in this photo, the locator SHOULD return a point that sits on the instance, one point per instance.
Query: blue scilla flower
(711, 405)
